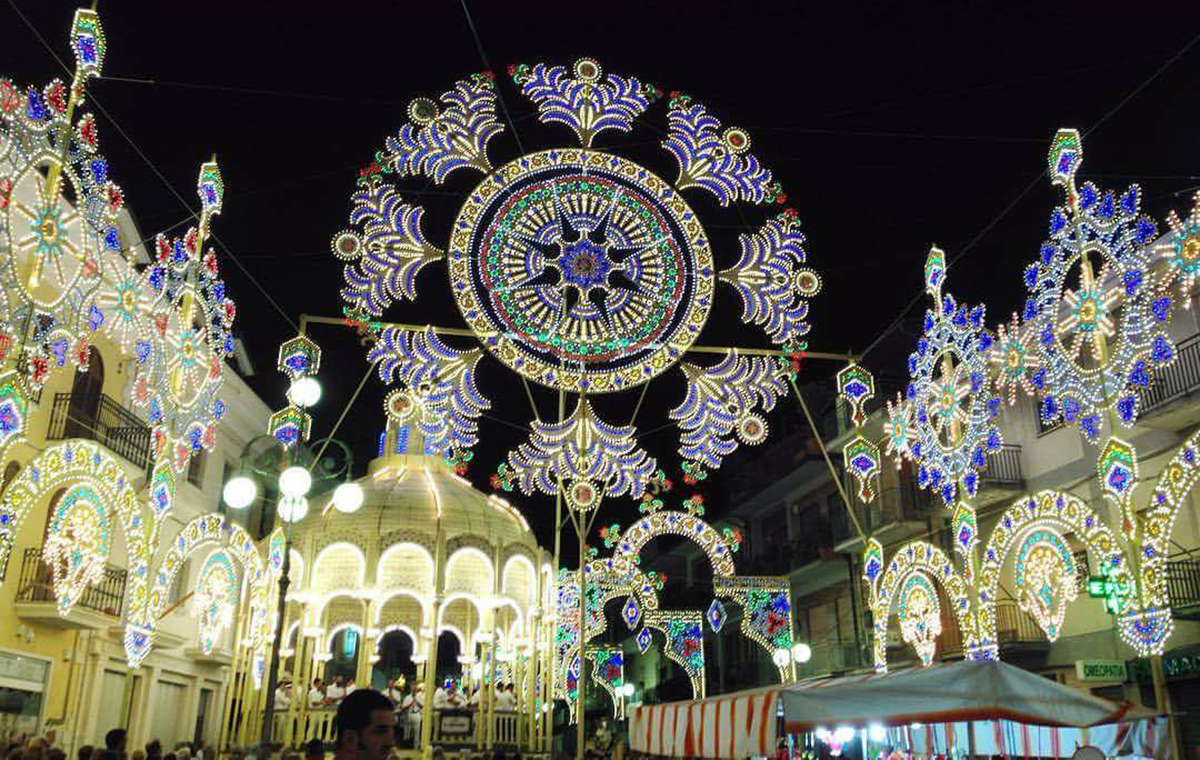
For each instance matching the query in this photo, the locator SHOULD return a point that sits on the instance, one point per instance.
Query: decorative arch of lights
(67, 278)
(1091, 334)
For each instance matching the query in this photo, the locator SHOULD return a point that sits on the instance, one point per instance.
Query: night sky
(890, 125)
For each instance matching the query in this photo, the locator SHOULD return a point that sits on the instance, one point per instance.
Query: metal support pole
(280, 610)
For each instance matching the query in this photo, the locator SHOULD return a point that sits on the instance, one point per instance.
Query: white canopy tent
(987, 707)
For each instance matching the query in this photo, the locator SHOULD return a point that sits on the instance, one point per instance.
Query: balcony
(1183, 586)
(98, 607)
(1016, 632)
(1001, 477)
(895, 514)
(833, 658)
(1166, 403)
(104, 421)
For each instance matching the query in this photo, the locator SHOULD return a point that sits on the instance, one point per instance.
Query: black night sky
(890, 125)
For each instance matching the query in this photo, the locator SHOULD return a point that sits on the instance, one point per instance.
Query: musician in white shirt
(316, 695)
(336, 691)
(447, 697)
(506, 699)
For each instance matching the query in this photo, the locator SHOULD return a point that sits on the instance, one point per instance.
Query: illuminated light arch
(480, 608)
(78, 543)
(1049, 510)
(322, 606)
(531, 576)
(921, 556)
(214, 530)
(766, 610)
(404, 546)
(1172, 488)
(85, 463)
(400, 593)
(340, 545)
(217, 592)
(920, 614)
(478, 582)
(333, 632)
(714, 545)
(454, 631)
(397, 627)
(296, 571)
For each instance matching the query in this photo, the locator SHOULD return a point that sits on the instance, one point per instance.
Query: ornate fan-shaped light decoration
(587, 102)
(591, 459)
(1100, 339)
(954, 412)
(77, 544)
(920, 615)
(1046, 580)
(440, 384)
(773, 281)
(723, 401)
(214, 599)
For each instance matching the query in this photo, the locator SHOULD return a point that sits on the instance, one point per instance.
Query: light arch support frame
(1056, 510)
(520, 558)
(766, 610)
(684, 645)
(481, 609)
(716, 546)
(884, 587)
(83, 462)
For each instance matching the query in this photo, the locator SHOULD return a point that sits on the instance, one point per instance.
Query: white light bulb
(877, 733)
(239, 492)
(295, 482)
(843, 734)
(801, 652)
(348, 497)
(781, 657)
(293, 509)
(304, 392)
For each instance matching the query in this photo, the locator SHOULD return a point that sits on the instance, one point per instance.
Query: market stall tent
(943, 701)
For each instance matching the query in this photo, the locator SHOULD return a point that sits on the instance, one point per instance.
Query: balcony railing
(37, 585)
(1180, 378)
(104, 421)
(1014, 626)
(904, 503)
(1183, 584)
(1004, 467)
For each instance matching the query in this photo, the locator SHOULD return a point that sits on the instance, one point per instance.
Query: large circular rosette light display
(577, 269)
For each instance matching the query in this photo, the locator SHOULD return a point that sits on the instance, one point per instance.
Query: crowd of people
(42, 748)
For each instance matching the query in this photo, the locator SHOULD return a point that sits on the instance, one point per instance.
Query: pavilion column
(430, 672)
(366, 650)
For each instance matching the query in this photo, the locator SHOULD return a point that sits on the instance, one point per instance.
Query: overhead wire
(1036, 181)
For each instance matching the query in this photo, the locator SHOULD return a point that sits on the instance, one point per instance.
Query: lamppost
(799, 654)
(296, 470)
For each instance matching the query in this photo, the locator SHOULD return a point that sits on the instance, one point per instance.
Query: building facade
(67, 675)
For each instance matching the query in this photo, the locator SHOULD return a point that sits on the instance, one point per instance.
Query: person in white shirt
(350, 686)
(335, 692)
(506, 699)
(283, 695)
(473, 703)
(395, 692)
(316, 695)
(446, 697)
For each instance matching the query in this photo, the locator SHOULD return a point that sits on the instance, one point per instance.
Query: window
(195, 473)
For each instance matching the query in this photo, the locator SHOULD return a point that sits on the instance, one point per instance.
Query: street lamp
(801, 653)
(240, 492)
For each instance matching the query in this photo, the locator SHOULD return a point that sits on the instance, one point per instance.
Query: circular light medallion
(581, 270)
(582, 495)
(398, 405)
(347, 245)
(752, 429)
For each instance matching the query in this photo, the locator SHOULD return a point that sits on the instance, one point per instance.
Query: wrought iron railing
(36, 585)
(1183, 582)
(102, 420)
(1004, 466)
(1180, 378)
